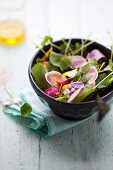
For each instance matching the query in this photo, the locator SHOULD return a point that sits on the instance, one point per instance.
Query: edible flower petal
(70, 91)
(77, 84)
(52, 91)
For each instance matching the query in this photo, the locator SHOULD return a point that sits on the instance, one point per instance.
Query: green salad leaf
(46, 39)
(109, 67)
(59, 60)
(80, 76)
(51, 67)
(63, 97)
(38, 71)
(25, 108)
(88, 89)
(103, 82)
(100, 78)
(85, 92)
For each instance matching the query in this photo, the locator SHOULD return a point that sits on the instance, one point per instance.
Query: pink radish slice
(53, 77)
(72, 97)
(92, 75)
(95, 54)
(77, 61)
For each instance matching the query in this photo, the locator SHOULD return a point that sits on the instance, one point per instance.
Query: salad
(70, 72)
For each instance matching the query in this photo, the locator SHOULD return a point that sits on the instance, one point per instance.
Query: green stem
(102, 81)
(82, 48)
(86, 45)
(101, 67)
(9, 94)
(65, 43)
(54, 45)
(39, 48)
(67, 46)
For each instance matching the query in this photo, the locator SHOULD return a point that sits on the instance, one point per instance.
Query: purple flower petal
(77, 84)
(70, 91)
(73, 96)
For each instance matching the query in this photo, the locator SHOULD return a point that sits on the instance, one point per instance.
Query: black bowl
(71, 111)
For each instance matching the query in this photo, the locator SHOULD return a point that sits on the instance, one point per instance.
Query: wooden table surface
(88, 146)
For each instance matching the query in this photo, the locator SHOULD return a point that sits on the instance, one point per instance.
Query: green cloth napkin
(43, 119)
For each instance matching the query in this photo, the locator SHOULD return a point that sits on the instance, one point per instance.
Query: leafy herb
(54, 45)
(81, 73)
(82, 47)
(60, 60)
(25, 108)
(84, 79)
(38, 71)
(51, 67)
(104, 82)
(67, 46)
(40, 48)
(38, 60)
(77, 46)
(62, 48)
(100, 78)
(86, 91)
(46, 39)
(109, 67)
(101, 67)
(63, 97)
(93, 62)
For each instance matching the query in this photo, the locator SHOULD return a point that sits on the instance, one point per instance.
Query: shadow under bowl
(71, 111)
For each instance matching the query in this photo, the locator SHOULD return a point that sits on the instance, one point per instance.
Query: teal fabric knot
(42, 118)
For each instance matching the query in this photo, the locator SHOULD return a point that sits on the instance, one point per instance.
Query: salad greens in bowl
(73, 76)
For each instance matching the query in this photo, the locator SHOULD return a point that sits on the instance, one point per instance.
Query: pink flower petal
(53, 77)
(95, 54)
(77, 61)
(52, 91)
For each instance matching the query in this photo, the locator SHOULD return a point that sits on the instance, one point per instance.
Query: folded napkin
(43, 119)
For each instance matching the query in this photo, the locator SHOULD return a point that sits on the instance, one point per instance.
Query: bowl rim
(51, 98)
